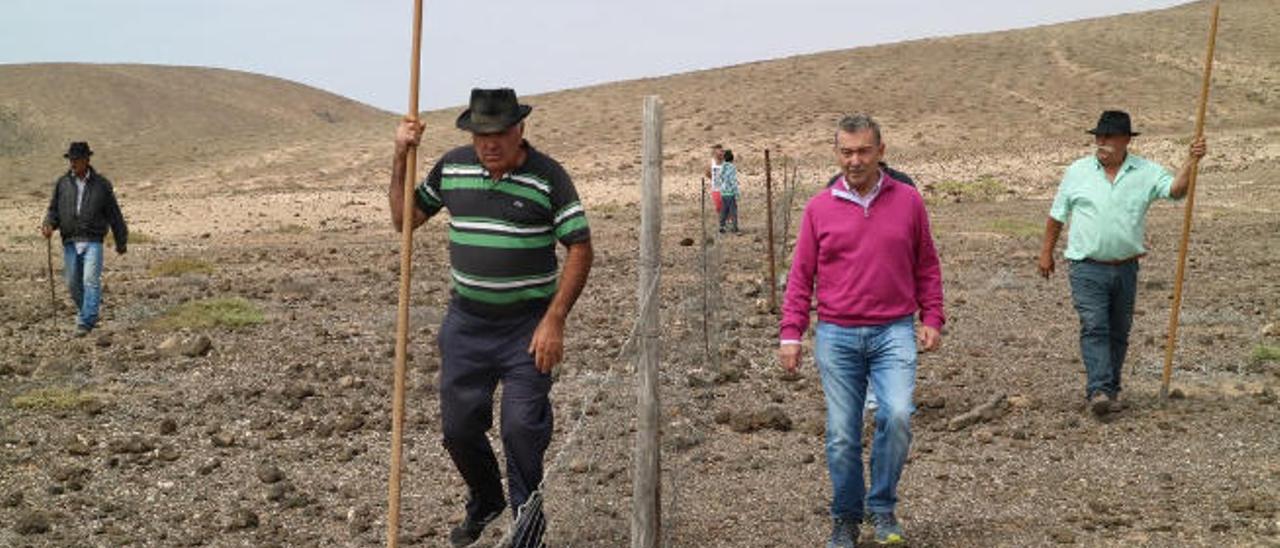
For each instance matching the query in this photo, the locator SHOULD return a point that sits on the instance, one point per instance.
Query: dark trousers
(477, 353)
(1103, 296)
(729, 213)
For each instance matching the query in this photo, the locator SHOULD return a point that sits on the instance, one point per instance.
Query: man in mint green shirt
(1105, 197)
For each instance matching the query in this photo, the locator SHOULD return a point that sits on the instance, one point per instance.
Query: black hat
(1113, 122)
(79, 149)
(492, 111)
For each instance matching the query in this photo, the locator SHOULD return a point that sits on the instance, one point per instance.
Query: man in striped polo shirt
(508, 205)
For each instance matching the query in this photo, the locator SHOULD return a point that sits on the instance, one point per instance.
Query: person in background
(728, 183)
(82, 208)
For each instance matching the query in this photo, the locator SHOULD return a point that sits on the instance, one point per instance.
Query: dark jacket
(892, 173)
(98, 211)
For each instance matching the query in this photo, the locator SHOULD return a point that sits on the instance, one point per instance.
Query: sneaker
(1115, 403)
(888, 532)
(81, 331)
(470, 529)
(1099, 404)
(844, 532)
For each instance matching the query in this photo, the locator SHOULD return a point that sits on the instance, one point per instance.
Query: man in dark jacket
(82, 208)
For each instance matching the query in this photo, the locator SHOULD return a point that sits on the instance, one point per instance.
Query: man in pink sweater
(865, 248)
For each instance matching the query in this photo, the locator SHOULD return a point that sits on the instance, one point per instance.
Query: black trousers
(478, 353)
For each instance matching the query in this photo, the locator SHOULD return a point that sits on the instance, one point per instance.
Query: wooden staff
(402, 311)
(768, 201)
(706, 281)
(1186, 217)
(53, 295)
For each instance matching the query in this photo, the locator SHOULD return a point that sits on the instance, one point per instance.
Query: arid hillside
(1018, 99)
(155, 123)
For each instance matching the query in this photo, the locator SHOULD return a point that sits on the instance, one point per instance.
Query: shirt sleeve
(1163, 184)
(568, 216)
(928, 273)
(1061, 209)
(51, 216)
(427, 196)
(797, 299)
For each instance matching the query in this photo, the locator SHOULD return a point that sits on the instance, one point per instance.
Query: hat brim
(465, 122)
(71, 156)
(1096, 131)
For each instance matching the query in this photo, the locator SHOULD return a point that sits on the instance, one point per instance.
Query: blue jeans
(848, 359)
(1103, 296)
(83, 274)
(729, 213)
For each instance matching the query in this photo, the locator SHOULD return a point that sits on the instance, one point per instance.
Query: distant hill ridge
(1008, 105)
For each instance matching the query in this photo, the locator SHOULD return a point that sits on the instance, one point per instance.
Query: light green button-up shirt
(1108, 219)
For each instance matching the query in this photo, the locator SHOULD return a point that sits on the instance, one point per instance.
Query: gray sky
(360, 48)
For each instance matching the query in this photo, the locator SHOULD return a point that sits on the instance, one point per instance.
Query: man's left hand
(930, 339)
(547, 345)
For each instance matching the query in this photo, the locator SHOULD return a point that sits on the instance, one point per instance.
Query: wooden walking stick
(402, 311)
(768, 205)
(1186, 216)
(706, 305)
(53, 295)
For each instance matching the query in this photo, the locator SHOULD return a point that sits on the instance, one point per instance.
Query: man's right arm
(408, 134)
(1052, 230)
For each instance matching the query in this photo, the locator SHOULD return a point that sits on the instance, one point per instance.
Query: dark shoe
(722, 230)
(844, 532)
(1116, 404)
(888, 532)
(1099, 404)
(470, 529)
(81, 331)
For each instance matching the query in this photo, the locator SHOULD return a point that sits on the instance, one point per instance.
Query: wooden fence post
(646, 499)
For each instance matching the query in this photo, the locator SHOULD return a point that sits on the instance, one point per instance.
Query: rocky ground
(157, 431)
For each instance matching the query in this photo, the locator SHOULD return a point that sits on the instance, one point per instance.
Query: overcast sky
(360, 48)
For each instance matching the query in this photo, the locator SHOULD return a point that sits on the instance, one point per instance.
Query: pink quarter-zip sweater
(869, 265)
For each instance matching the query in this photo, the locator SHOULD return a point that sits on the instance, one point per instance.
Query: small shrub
(180, 266)
(984, 189)
(1016, 227)
(52, 399)
(1264, 353)
(233, 313)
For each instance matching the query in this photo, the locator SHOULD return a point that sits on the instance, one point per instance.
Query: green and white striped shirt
(502, 234)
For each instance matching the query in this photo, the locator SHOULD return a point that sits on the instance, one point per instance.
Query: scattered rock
(134, 445)
(242, 519)
(933, 402)
(191, 347)
(269, 473)
(984, 435)
(1177, 394)
(208, 467)
(982, 413)
(32, 523)
(12, 500)
(77, 447)
(686, 242)
(104, 340)
(223, 439)
(168, 453)
(168, 427)
(769, 418)
(1062, 536)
